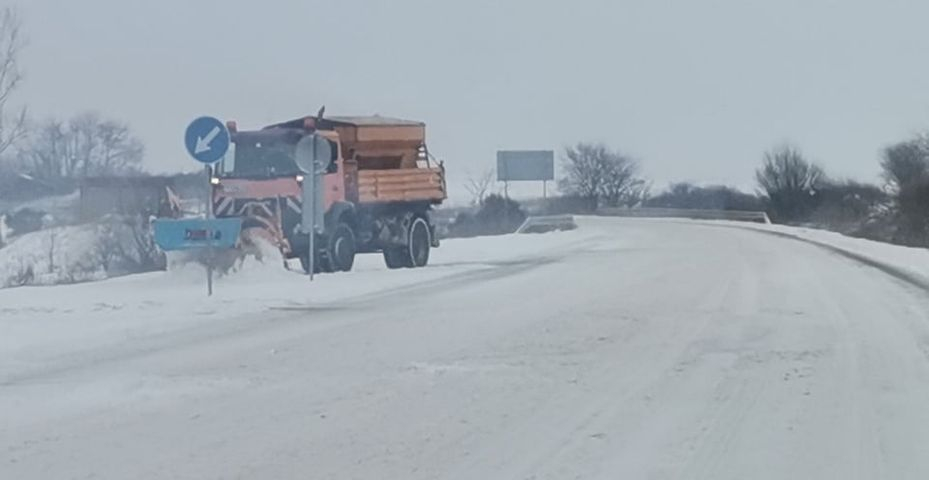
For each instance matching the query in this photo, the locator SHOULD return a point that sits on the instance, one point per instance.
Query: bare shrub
(600, 175)
(790, 182)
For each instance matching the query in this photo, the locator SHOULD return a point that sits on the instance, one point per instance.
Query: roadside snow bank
(112, 247)
(52, 256)
(908, 263)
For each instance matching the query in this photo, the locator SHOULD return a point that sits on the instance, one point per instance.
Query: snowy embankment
(77, 253)
(907, 263)
(51, 256)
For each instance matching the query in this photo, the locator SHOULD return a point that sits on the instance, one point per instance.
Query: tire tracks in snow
(334, 314)
(598, 413)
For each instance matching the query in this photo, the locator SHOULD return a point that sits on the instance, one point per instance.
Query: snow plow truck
(379, 187)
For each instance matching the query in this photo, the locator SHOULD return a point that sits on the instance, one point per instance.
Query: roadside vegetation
(790, 188)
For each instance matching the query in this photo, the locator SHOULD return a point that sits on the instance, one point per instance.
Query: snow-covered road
(639, 349)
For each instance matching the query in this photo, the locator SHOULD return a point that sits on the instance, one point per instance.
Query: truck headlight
(214, 181)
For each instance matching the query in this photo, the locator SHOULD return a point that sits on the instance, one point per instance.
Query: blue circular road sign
(206, 139)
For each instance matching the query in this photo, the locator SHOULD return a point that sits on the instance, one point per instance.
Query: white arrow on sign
(203, 143)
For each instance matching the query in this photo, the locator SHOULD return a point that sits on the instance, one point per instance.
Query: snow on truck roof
(350, 121)
(372, 120)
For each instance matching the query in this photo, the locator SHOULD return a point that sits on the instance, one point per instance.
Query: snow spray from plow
(211, 234)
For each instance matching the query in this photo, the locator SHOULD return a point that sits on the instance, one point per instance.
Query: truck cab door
(350, 177)
(335, 178)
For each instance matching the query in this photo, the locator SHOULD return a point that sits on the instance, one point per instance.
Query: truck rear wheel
(416, 251)
(419, 242)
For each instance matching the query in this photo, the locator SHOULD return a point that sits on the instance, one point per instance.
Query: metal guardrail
(737, 215)
(547, 223)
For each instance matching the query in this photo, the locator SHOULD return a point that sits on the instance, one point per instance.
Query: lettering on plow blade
(189, 233)
(202, 234)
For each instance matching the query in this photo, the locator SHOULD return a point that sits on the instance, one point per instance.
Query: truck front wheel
(341, 249)
(396, 257)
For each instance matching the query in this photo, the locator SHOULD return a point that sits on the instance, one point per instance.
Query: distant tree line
(52, 155)
(797, 191)
(713, 197)
(790, 188)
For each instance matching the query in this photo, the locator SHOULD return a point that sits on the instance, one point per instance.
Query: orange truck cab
(380, 186)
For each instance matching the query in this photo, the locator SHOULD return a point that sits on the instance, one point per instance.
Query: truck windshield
(256, 159)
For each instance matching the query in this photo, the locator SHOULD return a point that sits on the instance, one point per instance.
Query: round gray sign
(313, 153)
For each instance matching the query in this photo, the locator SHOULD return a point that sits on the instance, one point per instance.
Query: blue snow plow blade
(190, 233)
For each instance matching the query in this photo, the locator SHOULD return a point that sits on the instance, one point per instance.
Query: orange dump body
(385, 160)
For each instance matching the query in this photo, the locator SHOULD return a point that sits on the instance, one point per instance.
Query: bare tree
(47, 155)
(85, 145)
(906, 170)
(12, 125)
(906, 163)
(621, 185)
(582, 164)
(119, 150)
(596, 173)
(790, 182)
(478, 186)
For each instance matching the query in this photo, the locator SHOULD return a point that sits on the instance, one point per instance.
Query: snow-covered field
(628, 348)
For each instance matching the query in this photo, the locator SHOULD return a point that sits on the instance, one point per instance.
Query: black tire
(396, 257)
(305, 263)
(415, 253)
(419, 241)
(320, 262)
(340, 252)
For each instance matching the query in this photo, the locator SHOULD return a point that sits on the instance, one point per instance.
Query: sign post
(207, 141)
(312, 157)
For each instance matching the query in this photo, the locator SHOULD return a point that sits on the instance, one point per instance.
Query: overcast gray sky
(695, 89)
